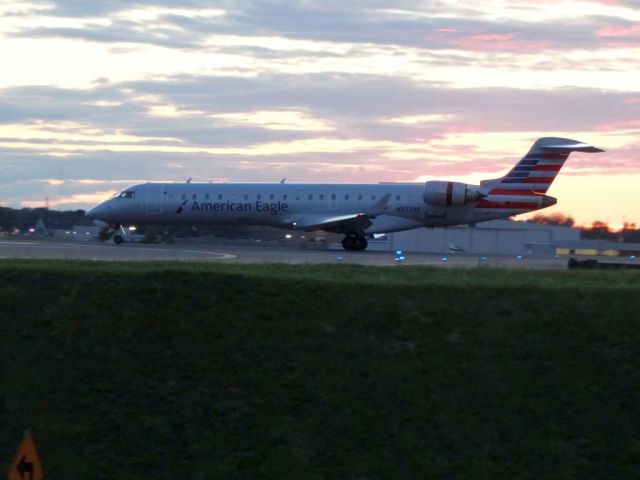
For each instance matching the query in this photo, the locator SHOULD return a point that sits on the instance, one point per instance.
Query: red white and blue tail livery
(524, 188)
(356, 210)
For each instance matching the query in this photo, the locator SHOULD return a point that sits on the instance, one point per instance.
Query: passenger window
(359, 197)
(271, 197)
(258, 197)
(333, 196)
(398, 198)
(297, 197)
(346, 197)
(246, 197)
(206, 197)
(321, 197)
(219, 196)
(183, 196)
(310, 197)
(373, 197)
(194, 196)
(284, 197)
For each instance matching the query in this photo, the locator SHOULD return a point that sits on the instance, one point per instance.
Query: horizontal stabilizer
(571, 147)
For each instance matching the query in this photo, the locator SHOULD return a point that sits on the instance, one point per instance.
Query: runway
(245, 254)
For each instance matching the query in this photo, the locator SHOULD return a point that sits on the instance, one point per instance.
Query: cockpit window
(126, 194)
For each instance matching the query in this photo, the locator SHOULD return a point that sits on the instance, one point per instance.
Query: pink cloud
(619, 35)
(616, 126)
(488, 42)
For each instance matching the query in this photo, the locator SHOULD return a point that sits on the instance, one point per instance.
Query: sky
(95, 96)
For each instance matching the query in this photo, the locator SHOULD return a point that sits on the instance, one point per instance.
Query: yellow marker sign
(26, 465)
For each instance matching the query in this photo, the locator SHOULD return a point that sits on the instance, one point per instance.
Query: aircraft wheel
(349, 242)
(361, 243)
(354, 242)
(117, 239)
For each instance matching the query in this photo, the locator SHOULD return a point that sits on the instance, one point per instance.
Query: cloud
(212, 111)
(325, 91)
(434, 26)
(625, 34)
(80, 8)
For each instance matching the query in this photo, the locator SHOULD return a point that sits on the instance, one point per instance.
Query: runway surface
(244, 254)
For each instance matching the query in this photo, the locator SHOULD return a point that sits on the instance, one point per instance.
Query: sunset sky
(96, 95)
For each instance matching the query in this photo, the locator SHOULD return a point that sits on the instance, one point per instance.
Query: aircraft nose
(99, 212)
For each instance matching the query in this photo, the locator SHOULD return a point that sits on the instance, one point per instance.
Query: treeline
(598, 230)
(25, 218)
(42, 220)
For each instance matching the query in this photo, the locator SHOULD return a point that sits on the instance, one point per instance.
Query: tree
(599, 230)
(553, 219)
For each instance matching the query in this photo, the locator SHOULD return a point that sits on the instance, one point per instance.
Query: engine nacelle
(450, 194)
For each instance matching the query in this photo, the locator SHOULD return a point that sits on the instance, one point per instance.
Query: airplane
(359, 211)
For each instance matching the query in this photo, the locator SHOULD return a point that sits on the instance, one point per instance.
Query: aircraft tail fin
(536, 171)
(524, 188)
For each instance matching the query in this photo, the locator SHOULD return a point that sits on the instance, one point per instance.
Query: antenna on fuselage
(190, 178)
(283, 180)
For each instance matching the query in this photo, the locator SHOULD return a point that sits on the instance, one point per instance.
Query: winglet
(380, 206)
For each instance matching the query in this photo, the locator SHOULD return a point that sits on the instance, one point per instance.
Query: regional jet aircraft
(358, 211)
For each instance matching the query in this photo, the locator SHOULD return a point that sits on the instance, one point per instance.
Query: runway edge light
(26, 464)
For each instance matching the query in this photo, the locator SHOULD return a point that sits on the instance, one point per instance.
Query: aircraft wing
(357, 222)
(354, 222)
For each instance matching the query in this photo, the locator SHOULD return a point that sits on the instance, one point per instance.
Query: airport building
(499, 237)
(503, 237)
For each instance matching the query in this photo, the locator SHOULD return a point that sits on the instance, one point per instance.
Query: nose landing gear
(114, 232)
(353, 242)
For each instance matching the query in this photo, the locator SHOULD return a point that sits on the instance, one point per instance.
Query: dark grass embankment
(167, 371)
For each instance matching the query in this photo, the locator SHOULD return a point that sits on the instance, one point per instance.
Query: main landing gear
(353, 242)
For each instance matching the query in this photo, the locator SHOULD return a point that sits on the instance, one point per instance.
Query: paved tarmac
(244, 254)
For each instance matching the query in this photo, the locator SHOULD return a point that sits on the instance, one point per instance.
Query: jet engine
(451, 194)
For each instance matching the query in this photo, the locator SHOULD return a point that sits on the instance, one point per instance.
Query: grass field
(176, 371)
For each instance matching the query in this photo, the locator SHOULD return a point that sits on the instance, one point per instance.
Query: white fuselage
(280, 205)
